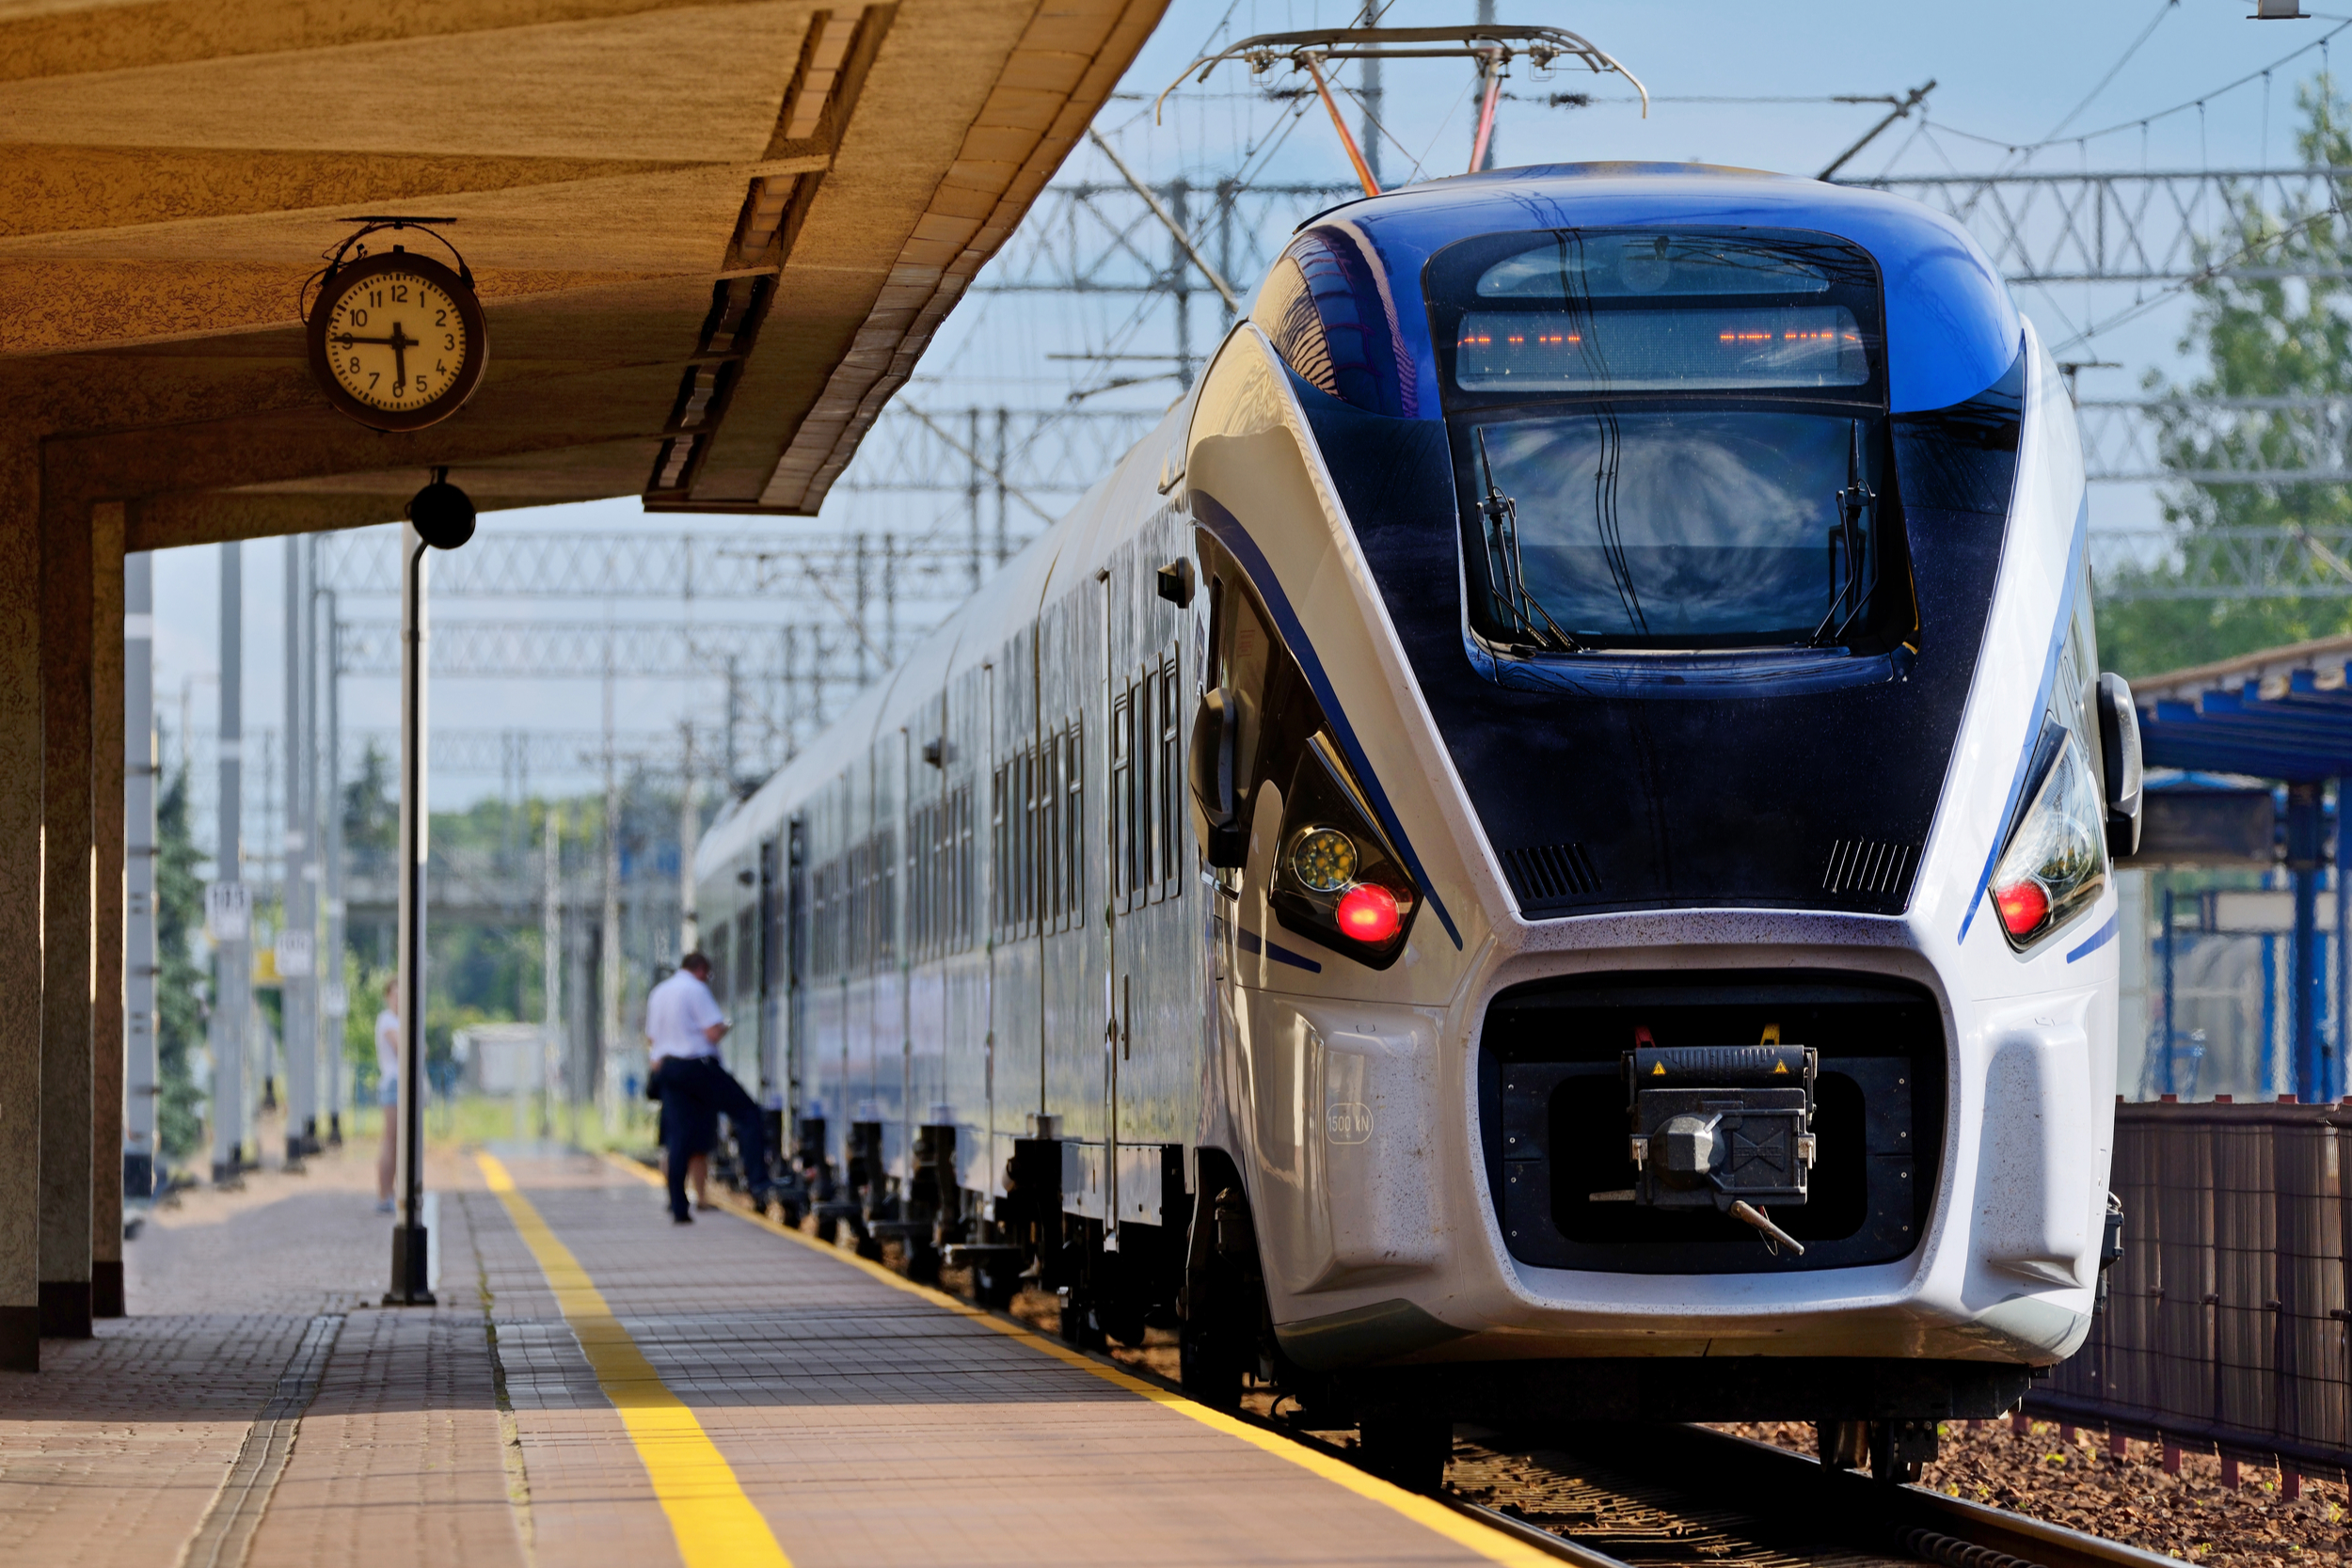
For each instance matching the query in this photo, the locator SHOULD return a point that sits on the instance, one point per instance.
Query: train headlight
(1325, 859)
(2055, 863)
(1337, 880)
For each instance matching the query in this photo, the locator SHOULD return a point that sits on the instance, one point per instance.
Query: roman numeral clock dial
(397, 341)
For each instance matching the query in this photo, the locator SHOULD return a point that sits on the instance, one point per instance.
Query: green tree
(365, 987)
(371, 809)
(181, 990)
(2258, 337)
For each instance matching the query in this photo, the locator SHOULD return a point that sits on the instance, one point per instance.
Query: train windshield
(1668, 439)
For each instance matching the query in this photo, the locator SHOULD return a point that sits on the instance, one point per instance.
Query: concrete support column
(68, 636)
(19, 916)
(106, 908)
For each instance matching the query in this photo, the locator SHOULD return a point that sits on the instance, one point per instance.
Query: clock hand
(399, 342)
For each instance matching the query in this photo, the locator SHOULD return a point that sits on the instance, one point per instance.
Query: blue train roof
(1952, 327)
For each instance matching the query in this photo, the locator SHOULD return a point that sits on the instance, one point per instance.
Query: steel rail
(1774, 1484)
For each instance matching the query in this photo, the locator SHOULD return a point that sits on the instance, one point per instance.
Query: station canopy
(711, 238)
(2284, 713)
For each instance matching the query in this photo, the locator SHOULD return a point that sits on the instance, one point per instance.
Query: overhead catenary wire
(2163, 8)
(2139, 123)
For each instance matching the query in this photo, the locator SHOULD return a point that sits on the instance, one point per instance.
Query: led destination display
(1653, 350)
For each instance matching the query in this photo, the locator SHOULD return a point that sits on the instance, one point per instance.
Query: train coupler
(1723, 1127)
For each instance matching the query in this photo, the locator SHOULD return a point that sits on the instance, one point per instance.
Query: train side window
(822, 947)
(717, 953)
(1066, 827)
(1123, 879)
(1025, 890)
(746, 973)
(1003, 862)
(922, 865)
(857, 912)
(1171, 778)
(771, 905)
(886, 932)
(959, 863)
(1138, 802)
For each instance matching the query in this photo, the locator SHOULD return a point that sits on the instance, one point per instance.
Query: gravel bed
(2079, 1484)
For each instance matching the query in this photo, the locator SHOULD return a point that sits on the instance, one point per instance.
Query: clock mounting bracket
(374, 222)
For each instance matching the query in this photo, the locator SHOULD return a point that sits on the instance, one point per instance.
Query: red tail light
(1368, 912)
(2023, 906)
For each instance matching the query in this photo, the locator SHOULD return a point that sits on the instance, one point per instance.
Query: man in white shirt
(684, 1023)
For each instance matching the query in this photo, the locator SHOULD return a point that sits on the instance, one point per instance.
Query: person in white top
(685, 1026)
(387, 1092)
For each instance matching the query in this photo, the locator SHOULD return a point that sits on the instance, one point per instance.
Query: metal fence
(2226, 1324)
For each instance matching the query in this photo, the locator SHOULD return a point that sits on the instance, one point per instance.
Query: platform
(600, 1386)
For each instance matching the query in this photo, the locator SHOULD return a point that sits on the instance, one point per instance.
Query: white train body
(976, 915)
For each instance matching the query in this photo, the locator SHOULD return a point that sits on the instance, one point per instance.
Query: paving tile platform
(867, 1424)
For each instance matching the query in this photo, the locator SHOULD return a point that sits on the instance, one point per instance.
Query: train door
(1151, 1006)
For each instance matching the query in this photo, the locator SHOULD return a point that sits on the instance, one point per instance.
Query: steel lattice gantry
(2230, 562)
(2123, 228)
(627, 650)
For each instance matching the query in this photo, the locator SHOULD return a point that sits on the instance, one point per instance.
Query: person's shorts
(387, 1093)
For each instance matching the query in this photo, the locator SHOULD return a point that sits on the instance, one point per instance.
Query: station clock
(397, 341)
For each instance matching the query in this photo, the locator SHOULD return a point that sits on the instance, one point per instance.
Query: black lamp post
(441, 516)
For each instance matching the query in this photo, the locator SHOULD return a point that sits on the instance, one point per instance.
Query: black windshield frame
(1509, 626)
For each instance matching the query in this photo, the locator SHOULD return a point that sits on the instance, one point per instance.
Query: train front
(1660, 793)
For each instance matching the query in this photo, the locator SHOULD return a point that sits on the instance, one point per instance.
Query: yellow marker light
(1325, 859)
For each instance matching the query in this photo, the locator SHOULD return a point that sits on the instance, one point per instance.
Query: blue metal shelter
(2283, 714)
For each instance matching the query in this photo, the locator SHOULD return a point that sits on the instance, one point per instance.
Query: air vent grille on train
(1859, 865)
(1551, 872)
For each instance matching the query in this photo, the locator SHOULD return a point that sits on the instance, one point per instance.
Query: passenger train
(1541, 848)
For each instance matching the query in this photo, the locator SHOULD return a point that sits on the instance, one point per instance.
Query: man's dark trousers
(695, 1092)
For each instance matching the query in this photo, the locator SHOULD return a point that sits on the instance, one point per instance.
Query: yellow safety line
(1487, 1541)
(716, 1525)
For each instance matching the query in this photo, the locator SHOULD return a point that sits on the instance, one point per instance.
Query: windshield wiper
(1852, 595)
(1499, 517)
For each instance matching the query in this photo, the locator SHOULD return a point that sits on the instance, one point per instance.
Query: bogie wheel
(788, 1215)
(1409, 1449)
(1206, 1367)
(828, 1230)
(997, 1286)
(1843, 1444)
(1079, 1326)
(1900, 1451)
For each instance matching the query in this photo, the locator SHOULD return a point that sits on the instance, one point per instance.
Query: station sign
(227, 910)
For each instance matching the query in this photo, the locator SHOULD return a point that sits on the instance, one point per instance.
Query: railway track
(1645, 1495)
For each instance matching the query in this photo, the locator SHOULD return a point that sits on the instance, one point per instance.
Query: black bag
(653, 1081)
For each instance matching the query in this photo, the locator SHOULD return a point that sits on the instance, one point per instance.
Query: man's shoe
(681, 1219)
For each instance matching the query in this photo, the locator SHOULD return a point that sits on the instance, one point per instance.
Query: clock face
(397, 342)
